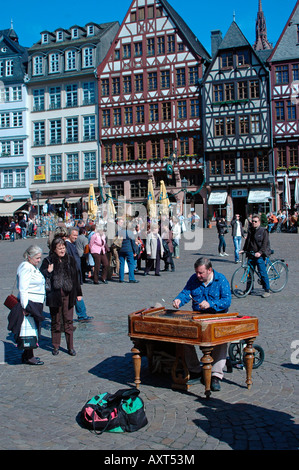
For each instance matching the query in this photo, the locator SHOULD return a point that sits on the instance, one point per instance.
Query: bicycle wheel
(234, 353)
(242, 281)
(259, 356)
(278, 275)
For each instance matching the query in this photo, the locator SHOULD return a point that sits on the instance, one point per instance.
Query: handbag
(28, 334)
(117, 242)
(121, 412)
(11, 300)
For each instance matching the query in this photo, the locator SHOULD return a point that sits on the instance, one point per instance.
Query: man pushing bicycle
(258, 243)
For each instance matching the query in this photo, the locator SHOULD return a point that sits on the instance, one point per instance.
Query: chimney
(216, 39)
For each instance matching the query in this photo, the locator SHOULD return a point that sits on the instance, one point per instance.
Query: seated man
(210, 293)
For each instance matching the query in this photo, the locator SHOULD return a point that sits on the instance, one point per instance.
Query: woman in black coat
(62, 290)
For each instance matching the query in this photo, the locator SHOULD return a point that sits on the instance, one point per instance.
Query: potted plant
(293, 170)
(281, 170)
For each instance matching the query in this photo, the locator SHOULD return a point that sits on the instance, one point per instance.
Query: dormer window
(45, 38)
(75, 33)
(59, 36)
(90, 30)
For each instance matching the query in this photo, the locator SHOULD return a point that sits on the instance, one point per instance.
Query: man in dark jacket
(258, 242)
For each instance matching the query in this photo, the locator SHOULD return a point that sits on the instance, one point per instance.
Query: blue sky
(202, 16)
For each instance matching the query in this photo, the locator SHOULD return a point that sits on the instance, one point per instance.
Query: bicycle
(236, 355)
(242, 281)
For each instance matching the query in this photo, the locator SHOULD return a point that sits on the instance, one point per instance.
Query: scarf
(62, 273)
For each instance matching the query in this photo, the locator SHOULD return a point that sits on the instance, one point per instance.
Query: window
(75, 33)
(165, 78)
(16, 93)
(115, 85)
(117, 189)
(45, 38)
(215, 165)
(54, 63)
(90, 30)
(254, 89)
(107, 147)
(4, 120)
(17, 147)
(293, 151)
(39, 99)
(4, 95)
(295, 72)
(59, 36)
(155, 147)
(242, 90)
(119, 151)
(229, 92)
(226, 60)
(70, 60)
(150, 12)
(180, 77)
(5, 148)
(248, 162)
(72, 167)
(255, 123)
(152, 81)
(116, 54)
(89, 165)
(55, 168)
(106, 118)
(55, 131)
(141, 150)
(1, 68)
(139, 189)
(117, 116)
(133, 16)
(279, 110)
(140, 114)
(166, 111)
(17, 119)
(88, 93)
(9, 68)
(281, 74)
(230, 126)
(168, 147)
(218, 92)
(194, 108)
(244, 124)
(39, 133)
(138, 82)
(127, 84)
(161, 45)
(153, 113)
(55, 97)
(130, 147)
(72, 130)
(141, 14)
(126, 51)
(229, 163)
(7, 178)
(105, 86)
(291, 110)
(170, 43)
(89, 128)
(37, 65)
(150, 49)
(138, 49)
(20, 178)
(88, 57)
(262, 162)
(71, 96)
(219, 127)
(128, 115)
(281, 156)
(182, 109)
(242, 58)
(193, 76)
(184, 145)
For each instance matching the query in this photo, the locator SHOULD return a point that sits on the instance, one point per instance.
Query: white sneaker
(221, 254)
(265, 295)
(226, 254)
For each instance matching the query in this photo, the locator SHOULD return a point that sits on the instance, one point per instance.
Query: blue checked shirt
(217, 293)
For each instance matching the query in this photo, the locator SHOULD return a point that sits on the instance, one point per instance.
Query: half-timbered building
(236, 126)
(149, 104)
(284, 64)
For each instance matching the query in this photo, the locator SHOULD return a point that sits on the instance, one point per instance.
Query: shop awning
(217, 197)
(259, 195)
(9, 208)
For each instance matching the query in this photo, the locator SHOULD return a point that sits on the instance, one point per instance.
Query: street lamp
(184, 184)
(38, 194)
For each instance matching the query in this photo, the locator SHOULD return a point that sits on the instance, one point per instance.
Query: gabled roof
(234, 38)
(287, 47)
(194, 42)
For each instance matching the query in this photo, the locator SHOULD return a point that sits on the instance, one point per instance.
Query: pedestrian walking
(222, 230)
(237, 234)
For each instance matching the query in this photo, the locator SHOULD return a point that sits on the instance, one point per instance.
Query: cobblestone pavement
(39, 406)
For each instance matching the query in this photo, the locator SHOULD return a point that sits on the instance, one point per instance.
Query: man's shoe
(265, 295)
(226, 254)
(55, 352)
(215, 384)
(85, 319)
(221, 254)
(134, 281)
(72, 352)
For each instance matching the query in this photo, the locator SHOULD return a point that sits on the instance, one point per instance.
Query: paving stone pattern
(39, 406)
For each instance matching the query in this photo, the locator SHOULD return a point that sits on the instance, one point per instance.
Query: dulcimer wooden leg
(137, 365)
(207, 368)
(248, 359)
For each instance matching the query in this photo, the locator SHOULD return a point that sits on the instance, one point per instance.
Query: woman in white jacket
(154, 250)
(31, 285)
